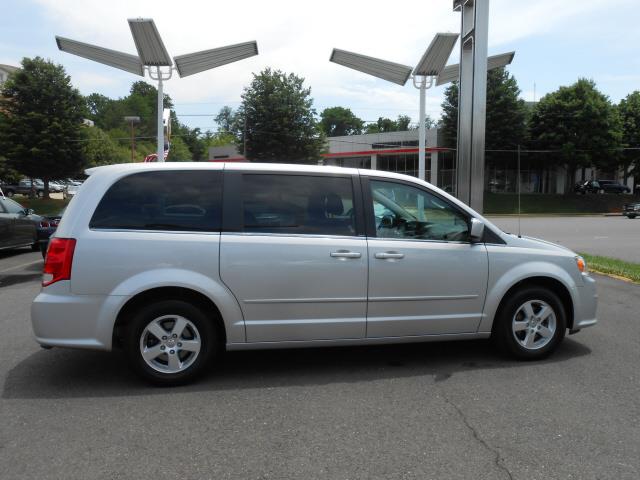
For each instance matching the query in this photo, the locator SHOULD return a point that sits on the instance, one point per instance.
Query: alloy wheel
(534, 324)
(170, 344)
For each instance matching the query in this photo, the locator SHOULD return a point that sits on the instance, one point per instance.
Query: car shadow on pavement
(13, 252)
(61, 373)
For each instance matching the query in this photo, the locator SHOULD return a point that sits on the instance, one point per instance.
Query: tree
(506, 113)
(97, 105)
(340, 121)
(42, 122)
(227, 120)
(142, 100)
(179, 151)
(629, 111)
(385, 124)
(100, 149)
(579, 122)
(402, 123)
(278, 120)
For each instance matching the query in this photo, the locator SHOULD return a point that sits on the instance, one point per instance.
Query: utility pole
(132, 121)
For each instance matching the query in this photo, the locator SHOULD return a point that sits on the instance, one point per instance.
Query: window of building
(162, 200)
(298, 204)
(406, 164)
(351, 162)
(376, 146)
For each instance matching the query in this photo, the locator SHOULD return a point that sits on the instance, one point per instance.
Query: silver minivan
(177, 262)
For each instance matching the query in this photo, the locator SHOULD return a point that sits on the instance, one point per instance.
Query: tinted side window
(12, 207)
(165, 200)
(402, 211)
(297, 204)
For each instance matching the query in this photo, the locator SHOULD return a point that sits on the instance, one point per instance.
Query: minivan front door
(291, 254)
(425, 277)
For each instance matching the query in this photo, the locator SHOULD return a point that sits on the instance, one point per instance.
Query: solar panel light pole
(429, 70)
(154, 58)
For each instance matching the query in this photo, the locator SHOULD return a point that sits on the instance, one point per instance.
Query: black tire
(9, 193)
(35, 247)
(210, 344)
(503, 335)
(631, 216)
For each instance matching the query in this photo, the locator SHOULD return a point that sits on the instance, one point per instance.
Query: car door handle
(386, 255)
(345, 254)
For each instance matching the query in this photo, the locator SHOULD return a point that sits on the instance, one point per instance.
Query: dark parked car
(48, 226)
(23, 187)
(631, 210)
(19, 227)
(602, 186)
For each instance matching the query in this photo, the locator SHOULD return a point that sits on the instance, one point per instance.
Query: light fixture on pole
(430, 70)
(154, 58)
(132, 120)
(432, 62)
(450, 73)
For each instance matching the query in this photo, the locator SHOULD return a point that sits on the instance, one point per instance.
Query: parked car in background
(48, 226)
(70, 190)
(18, 225)
(601, 186)
(631, 210)
(56, 187)
(304, 256)
(23, 187)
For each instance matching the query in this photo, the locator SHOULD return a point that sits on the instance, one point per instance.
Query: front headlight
(582, 265)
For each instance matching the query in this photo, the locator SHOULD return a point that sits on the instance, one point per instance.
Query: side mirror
(27, 211)
(477, 230)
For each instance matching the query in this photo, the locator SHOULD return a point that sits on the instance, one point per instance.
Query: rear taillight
(45, 224)
(57, 265)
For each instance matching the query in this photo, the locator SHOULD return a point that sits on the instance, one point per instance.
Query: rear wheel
(531, 324)
(170, 342)
(632, 216)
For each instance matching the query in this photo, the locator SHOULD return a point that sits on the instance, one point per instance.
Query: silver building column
(472, 101)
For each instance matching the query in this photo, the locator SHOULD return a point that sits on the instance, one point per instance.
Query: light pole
(430, 65)
(154, 58)
(430, 70)
(132, 120)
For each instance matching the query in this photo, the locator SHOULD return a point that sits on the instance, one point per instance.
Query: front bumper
(61, 319)
(586, 307)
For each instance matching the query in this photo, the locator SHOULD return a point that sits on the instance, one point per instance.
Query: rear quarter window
(162, 200)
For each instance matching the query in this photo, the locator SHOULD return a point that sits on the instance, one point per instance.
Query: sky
(556, 42)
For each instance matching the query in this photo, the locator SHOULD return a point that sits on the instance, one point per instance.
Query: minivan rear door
(294, 254)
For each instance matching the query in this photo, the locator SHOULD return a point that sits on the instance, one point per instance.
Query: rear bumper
(61, 319)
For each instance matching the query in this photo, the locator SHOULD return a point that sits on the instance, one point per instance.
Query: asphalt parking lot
(617, 236)
(439, 410)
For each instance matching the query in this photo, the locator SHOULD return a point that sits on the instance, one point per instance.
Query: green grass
(613, 266)
(532, 203)
(42, 206)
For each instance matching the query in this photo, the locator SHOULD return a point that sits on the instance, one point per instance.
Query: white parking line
(21, 266)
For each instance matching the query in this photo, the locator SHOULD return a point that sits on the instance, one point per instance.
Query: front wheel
(170, 342)
(531, 324)
(631, 216)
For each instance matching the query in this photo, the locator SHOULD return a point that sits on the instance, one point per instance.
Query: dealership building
(398, 152)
